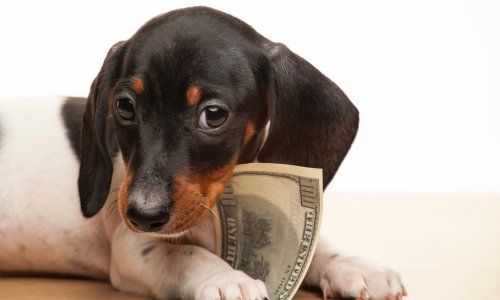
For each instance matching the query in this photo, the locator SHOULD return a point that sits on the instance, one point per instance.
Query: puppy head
(190, 94)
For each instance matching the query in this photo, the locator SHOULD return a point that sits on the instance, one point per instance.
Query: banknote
(268, 222)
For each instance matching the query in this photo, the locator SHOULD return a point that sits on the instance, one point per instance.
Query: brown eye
(212, 117)
(125, 109)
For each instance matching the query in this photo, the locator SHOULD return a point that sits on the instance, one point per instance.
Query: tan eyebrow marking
(138, 86)
(193, 95)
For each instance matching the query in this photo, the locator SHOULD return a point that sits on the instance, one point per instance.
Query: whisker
(210, 210)
(108, 192)
(120, 228)
(239, 185)
(109, 214)
(201, 213)
(113, 205)
(256, 133)
(117, 161)
(117, 217)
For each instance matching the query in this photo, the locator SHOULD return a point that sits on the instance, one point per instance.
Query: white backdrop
(424, 75)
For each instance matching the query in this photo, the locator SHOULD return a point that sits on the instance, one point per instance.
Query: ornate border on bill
(268, 223)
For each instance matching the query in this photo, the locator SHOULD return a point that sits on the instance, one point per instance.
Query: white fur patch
(41, 225)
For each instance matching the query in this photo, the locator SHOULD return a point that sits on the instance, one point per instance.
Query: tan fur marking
(123, 201)
(138, 86)
(193, 95)
(195, 194)
(249, 133)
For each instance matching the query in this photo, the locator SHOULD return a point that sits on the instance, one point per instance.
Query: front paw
(231, 285)
(359, 278)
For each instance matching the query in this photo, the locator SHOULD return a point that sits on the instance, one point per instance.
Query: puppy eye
(212, 117)
(125, 108)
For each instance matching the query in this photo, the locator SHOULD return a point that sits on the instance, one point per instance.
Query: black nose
(150, 219)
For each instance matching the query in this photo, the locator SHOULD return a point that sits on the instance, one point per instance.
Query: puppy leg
(347, 276)
(145, 266)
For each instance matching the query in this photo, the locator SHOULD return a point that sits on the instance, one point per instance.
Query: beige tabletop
(79, 289)
(447, 247)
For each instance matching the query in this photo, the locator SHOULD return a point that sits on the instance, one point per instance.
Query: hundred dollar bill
(268, 223)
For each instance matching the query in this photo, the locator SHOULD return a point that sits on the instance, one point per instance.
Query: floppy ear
(96, 167)
(313, 123)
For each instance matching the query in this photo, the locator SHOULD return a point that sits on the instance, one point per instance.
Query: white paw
(360, 278)
(231, 285)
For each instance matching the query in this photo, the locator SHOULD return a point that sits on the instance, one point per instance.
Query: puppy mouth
(190, 219)
(178, 226)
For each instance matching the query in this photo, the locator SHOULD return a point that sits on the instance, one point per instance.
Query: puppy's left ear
(96, 167)
(313, 123)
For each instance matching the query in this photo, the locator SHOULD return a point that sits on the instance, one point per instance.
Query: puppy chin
(167, 235)
(166, 232)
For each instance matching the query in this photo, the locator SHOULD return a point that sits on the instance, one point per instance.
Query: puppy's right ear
(313, 123)
(96, 167)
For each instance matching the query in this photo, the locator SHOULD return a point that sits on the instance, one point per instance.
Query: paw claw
(364, 294)
(325, 287)
(405, 293)
(399, 297)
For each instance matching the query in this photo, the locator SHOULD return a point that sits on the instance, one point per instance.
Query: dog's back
(41, 226)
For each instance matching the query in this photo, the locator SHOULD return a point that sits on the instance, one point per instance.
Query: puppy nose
(150, 219)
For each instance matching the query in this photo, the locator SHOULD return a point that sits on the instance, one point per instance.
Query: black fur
(189, 252)
(72, 114)
(313, 123)
(147, 250)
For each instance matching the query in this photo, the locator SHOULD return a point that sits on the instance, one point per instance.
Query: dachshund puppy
(173, 109)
